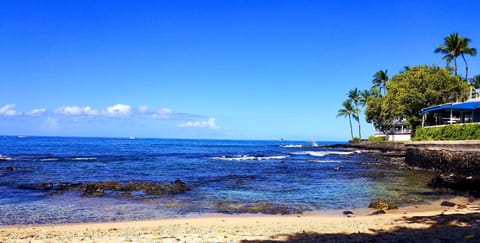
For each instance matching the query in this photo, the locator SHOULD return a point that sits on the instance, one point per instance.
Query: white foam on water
(324, 153)
(84, 158)
(2, 157)
(323, 161)
(292, 146)
(248, 157)
(49, 159)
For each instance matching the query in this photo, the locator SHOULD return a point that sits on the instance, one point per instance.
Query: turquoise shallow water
(224, 176)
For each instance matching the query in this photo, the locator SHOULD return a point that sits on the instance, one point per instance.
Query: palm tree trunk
(466, 68)
(359, 128)
(351, 129)
(455, 63)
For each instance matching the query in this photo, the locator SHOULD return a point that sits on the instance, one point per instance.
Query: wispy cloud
(9, 110)
(112, 112)
(163, 113)
(118, 110)
(76, 111)
(36, 112)
(210, 124)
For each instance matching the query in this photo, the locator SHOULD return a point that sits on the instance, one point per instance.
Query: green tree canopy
(420, 87)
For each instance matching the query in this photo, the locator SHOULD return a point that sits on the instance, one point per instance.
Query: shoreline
(424, 219)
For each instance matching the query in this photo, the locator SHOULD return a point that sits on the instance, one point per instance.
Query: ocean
(222, 176)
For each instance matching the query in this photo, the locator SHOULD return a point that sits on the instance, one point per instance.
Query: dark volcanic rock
(113, 188)
(347, 212)
(45, 186)
(378, 212)
(10, 168)
(447, 204)
(456, 182)
(153, 188)
(445, 156)
(255, 207)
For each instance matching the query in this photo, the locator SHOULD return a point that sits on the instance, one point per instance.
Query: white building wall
(398, 137)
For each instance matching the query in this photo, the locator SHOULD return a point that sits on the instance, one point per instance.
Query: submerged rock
(45, 186)
(10, 168)
(153, 188)
(379, 204)
(113, 188)
(255, 207)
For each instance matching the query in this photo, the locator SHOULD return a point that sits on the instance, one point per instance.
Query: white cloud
(210, 123)
(36, 112)
(163, 113)
(118, 110)
(9, 110)
(76, 111)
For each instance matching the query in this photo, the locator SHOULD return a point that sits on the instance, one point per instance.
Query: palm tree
(354, 96)
(375, 92)
(464, 49)
(451, 49)
(380, 80)
(348, 111)
(405, 69)
(365, 95)
(454, 46)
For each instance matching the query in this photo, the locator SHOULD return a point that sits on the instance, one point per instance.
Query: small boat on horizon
(132, 137)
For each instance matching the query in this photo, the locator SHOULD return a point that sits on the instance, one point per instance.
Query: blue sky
(264, 69)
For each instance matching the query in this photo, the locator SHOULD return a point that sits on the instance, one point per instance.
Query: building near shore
(400, 132)
(458, 113)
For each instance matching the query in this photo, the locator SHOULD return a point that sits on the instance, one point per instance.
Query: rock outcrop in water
(255, 207)
(114, 188)
(456, 182)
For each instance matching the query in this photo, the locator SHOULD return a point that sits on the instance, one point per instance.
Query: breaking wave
(248, 157)
(324, 153)
(2, 157)
(292, 146)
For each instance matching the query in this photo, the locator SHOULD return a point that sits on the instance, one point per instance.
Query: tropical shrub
(450, 132)
(376, 138)
(356, 139)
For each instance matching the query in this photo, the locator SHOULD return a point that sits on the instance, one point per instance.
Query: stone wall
(382, 146)
(447, 156)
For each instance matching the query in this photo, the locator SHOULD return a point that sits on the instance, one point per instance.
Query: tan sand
(414, 223)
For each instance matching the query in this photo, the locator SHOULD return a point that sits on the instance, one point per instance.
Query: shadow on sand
(440, 228)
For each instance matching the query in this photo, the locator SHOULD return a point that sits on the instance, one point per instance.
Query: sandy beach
(413, 223)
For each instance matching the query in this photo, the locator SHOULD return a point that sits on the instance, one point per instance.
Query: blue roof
(467, 105)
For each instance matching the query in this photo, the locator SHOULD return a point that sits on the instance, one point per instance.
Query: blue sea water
(220, 172)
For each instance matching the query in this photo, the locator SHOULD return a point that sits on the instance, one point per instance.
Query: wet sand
(420, 223)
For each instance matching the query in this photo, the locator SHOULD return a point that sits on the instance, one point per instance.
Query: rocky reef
(457, 183)
(254, 207)
(129, 189)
